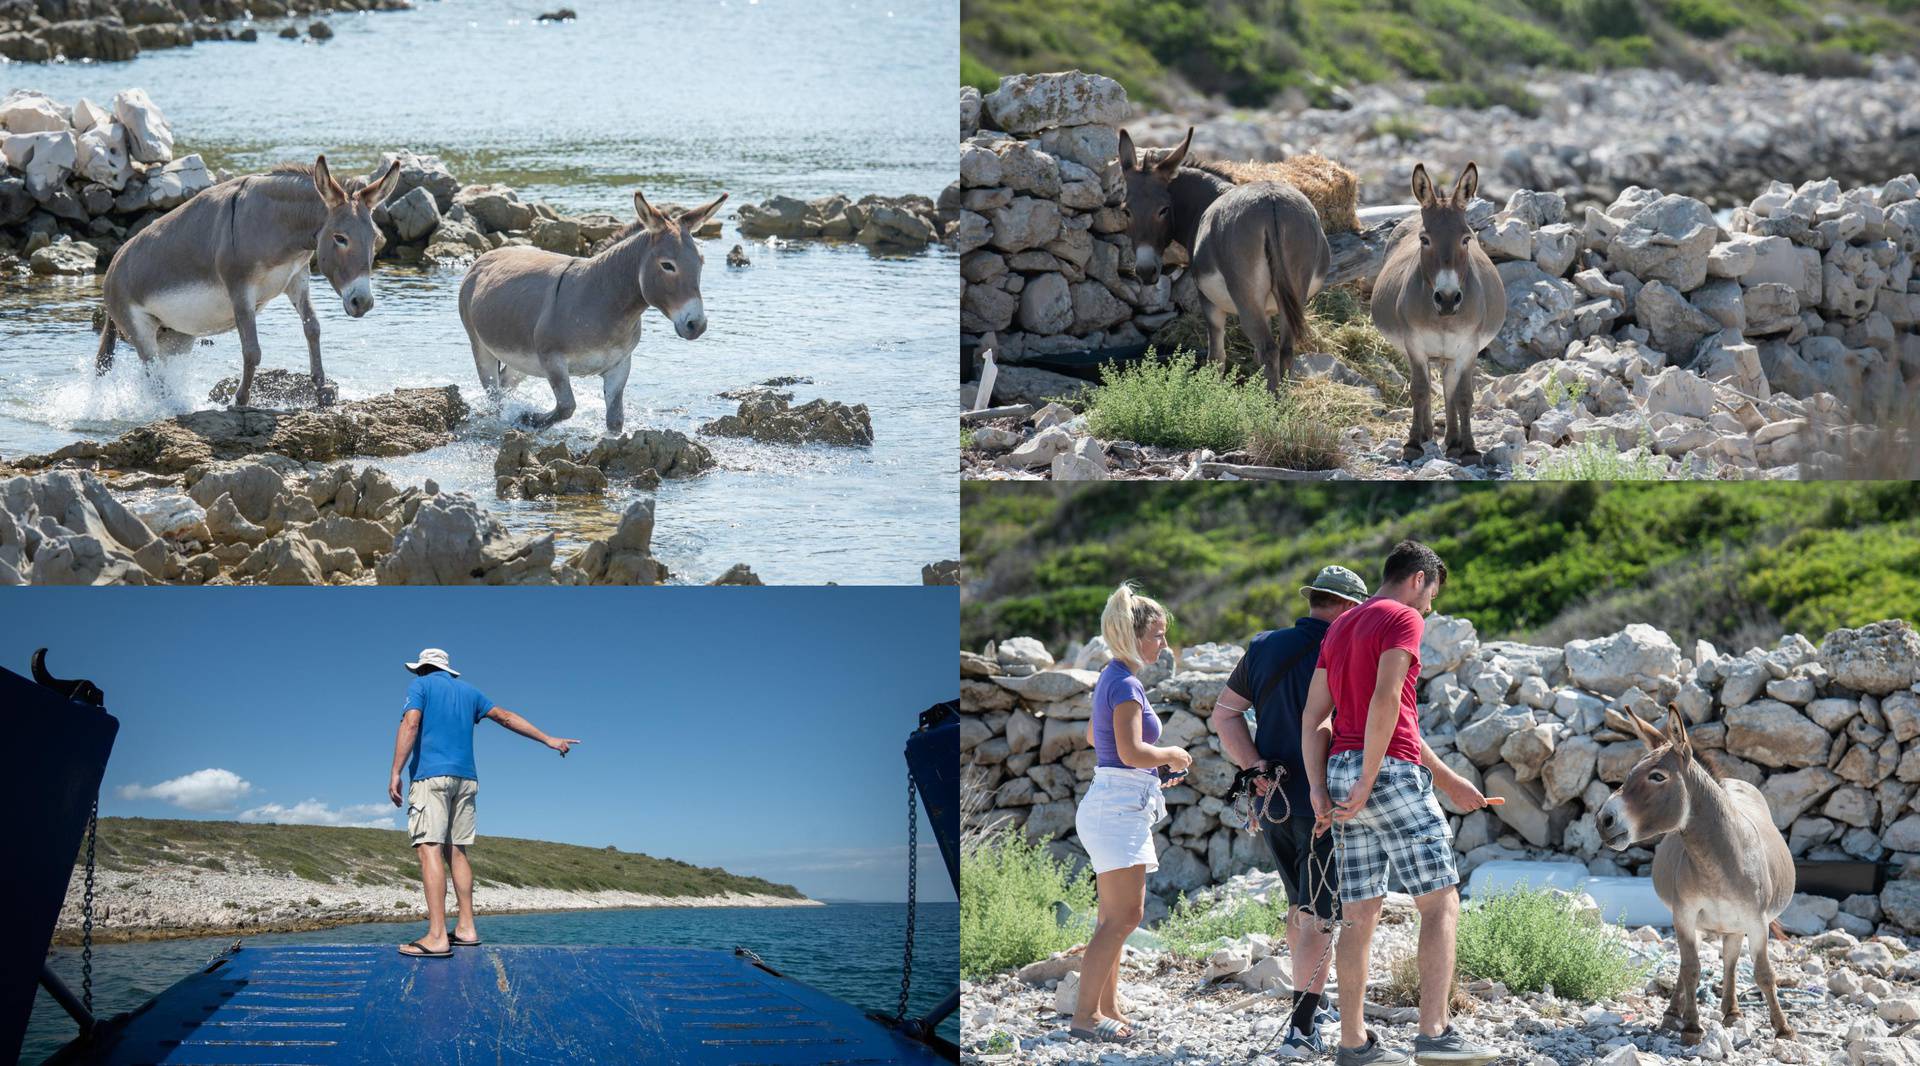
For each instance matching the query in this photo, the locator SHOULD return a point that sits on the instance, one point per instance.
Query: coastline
(176, 902)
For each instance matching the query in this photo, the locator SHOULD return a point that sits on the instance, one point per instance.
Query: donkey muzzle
(1615, 833)
(691, 320)
(1447, 303)
(1146, 265)
(357, 298)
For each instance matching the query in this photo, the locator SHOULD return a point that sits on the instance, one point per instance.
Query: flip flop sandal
(459, 943)
(423, 953)
(1105, 1031)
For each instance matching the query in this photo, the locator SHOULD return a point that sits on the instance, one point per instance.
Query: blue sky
(756, 729)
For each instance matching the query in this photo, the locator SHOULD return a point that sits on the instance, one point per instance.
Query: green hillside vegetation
(1735, 563)
(381, 857)
(1251, 51)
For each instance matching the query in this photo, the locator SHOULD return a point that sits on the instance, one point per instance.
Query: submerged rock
(738, 574)
(400, 423)
(626, 558)
(768, 417)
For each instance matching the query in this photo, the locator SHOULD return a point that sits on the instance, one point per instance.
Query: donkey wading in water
(210, 264)
(1439, 299)
(532, 312)
(1721, 867)
(1257, 250)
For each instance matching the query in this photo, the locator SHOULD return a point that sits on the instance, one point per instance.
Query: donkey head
(1150, 205)
(1445, 236)
(1653, 799)
(346, 240)
(670, 270)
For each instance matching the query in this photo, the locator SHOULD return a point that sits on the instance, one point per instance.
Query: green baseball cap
(1339, 581)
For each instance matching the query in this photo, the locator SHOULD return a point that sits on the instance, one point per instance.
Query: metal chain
(86, 907)
(913, 889)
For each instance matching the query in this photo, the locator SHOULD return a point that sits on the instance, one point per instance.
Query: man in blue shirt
(1272, 679)
(436, 745)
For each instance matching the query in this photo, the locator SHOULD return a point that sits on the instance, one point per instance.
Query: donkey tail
(1291, 307)
(103, 356)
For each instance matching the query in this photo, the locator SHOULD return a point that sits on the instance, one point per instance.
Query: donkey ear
(1468, 186)
(1677, 731)
(649, 217)
(691, 221)
(1128, 159)
(1648, 734)
(377, 190)
(1422, 186)
(1168, 166)
(330, 191)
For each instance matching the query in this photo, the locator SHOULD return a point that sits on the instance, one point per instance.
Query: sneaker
(1451, 1049)
(1301, 1045)
(1370, 1055)
(1327, 1014)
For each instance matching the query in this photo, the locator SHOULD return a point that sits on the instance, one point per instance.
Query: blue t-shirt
(449, 709)
(1277, 719)
(1117, 685)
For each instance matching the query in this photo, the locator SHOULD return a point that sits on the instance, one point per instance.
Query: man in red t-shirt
(1371, 779)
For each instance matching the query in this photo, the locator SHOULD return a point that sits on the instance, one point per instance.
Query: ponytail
(1127, 616)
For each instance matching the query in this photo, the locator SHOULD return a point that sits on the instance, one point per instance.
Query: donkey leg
(323, 393)
(143, 332)
(1686, 1000)
(487, 367)
(555, 366)
(1266, 347)
(1460, 414)
(1420, 385)
(1216, 332)
(613, 388)
(1764, 977)
(243, 323)
(1729, 992)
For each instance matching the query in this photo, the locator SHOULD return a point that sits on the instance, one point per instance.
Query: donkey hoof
(1412, 452)
(324, 395)
(1690, 1037)
(1466, 458)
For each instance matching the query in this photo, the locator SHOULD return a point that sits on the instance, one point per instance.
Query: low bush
(1528, 939)
(1599, 461)
(1008, 888)
(1180, 402)
(1195, 928)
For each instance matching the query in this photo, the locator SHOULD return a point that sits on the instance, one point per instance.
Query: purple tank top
(1118, 685)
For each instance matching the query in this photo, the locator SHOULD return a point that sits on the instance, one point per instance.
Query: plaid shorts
(1401, 828)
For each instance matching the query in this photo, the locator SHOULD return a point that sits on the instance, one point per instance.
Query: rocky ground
(81, 30)
(80, 179)
(171, 900)
(1853, 1001)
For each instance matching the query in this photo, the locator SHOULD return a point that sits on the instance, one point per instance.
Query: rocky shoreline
(117, 30)
(1853, 1000)
(171, 901)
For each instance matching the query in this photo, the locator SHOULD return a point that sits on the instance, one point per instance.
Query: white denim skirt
(1116, 817)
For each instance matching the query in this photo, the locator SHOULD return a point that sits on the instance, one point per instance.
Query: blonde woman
(1117, 815)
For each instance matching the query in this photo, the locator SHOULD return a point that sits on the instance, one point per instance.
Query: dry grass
(1330, 187)
(1402, 986)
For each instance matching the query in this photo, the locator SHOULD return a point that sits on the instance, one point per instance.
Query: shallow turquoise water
(850, 950)
(684, 100)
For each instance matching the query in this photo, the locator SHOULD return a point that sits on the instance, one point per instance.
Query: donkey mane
(352, 183)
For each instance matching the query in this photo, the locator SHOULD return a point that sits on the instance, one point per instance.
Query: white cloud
(314, 812)
(201, 790)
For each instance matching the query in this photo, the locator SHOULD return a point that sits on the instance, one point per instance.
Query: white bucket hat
(433, 657)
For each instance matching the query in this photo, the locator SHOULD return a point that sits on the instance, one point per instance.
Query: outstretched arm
(402, 747)
(528, 729)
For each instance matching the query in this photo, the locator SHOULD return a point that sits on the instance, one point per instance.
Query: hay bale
(1330, 187)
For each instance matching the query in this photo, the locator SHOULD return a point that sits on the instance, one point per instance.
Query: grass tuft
(1008, 888)
(1529, 939)
(1195, 929)
(1594, 460)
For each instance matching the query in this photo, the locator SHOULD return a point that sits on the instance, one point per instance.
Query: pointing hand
(561, 745)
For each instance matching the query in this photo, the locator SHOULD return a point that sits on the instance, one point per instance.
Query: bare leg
(433, 877)
(1353, 950)
(249, 345)
(613, 388)
(1764, 977)
(1439, 917)
(1122, 897)
(1216, 332)
(1729, 992)
(1307, 943)
(1421, 387)
(463, 893)
(310, 325)
(556, 369)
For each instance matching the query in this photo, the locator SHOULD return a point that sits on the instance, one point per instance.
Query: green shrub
(1484, 94)
(1195, 929)
(1008, 888)
(977, 74)
(1703, 18)
(1529, 939)
(1178, 403)
(1598, 461)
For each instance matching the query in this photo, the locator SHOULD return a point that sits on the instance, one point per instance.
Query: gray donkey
(210, 264)
(1722, 867)
(1258, 249)
(529, 311)
(1439, 297)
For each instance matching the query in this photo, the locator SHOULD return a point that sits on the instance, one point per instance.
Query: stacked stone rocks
(121, 29)
(1042, 221)
(1830, 733)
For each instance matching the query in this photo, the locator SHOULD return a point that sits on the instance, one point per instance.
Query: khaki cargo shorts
(440, 810)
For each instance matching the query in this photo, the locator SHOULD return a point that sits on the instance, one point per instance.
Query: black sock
(1305, 1003)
